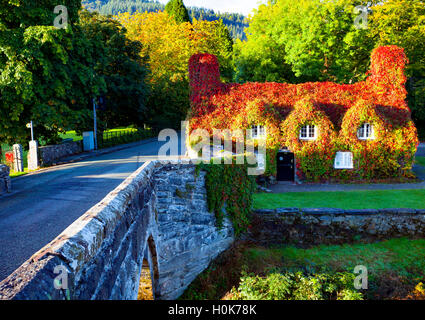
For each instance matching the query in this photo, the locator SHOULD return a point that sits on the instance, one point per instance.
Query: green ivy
(230, 191)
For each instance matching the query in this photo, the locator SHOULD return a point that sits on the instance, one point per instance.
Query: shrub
(297, 286)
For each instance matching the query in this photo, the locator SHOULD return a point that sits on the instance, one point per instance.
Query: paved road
(42, 205)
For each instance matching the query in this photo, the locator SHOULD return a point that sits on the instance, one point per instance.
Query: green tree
(117, 61)
(168, 46)
(177, 10)
(24, 13)
(43, 77)
(309, 39)
(402, 23)
(50, 75)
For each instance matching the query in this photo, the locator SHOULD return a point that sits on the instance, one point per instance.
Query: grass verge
(367, 199)
(420, 161)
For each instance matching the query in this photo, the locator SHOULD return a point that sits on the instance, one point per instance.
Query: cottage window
(261, 163)
(308, 132)
(365, 132)
(258, 132)
(344, 160)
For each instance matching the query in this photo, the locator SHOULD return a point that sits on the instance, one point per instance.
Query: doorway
(285, 166)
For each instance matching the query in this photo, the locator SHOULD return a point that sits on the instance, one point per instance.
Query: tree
(118, 62)
(177, 10)
(43, 77)
(236, 23)
(168, 45)
(23, 13)
(402, 23)
(311, 40)
(50, 75)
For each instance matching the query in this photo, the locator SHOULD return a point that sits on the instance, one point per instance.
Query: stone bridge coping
(78, 245)
(80, 242)
(340, 212)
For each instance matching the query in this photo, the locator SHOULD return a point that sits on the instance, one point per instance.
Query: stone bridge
(153, 232)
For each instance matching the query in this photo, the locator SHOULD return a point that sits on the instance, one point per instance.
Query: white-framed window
(344, 160)
(365, 132)
(308, 132)
(258, 132)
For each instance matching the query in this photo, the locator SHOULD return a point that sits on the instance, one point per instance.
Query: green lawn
(397, 255)
(129, 129)
(73, 135)
(400, 259)
(376, 199)
(395, 267)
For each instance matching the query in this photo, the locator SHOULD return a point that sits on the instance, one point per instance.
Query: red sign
(9, 156)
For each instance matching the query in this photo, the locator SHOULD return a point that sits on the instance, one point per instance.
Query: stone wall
(50, 154)
(333, 226)
(5, 184)
(159, 214)
(188, 238)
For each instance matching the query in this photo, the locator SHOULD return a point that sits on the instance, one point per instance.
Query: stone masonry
(50, 154)
(188, 238)
(5, 184)
(159, 214)
(307, 227)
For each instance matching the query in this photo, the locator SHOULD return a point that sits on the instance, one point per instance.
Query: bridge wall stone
(188, 239)
(5, 182)
(159, 213)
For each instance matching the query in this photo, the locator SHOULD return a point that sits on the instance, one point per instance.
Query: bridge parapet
(158, 214)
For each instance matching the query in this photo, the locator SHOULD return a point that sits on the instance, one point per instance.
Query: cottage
(316, 131)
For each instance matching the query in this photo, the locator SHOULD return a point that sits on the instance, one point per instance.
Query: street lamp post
(30, 126)
(95, 123)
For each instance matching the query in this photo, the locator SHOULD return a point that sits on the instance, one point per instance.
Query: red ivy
(222, 106)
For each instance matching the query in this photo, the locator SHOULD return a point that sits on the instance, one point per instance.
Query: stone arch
(149, 274)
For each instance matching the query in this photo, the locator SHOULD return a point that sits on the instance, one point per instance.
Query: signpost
(33, 151)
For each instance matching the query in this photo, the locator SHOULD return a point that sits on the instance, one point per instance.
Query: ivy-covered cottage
(316, 131)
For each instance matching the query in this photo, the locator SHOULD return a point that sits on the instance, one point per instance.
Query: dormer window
(365, 132)
(258, 132)
(308, 132)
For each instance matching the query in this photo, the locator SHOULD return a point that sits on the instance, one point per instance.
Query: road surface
(44, 204)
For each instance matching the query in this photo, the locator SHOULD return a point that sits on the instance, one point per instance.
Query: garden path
(317, 187)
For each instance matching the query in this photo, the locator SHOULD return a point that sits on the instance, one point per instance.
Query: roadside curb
(87, 155)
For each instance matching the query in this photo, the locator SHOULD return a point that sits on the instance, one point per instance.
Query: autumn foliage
(167, 46)
(336, 109)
